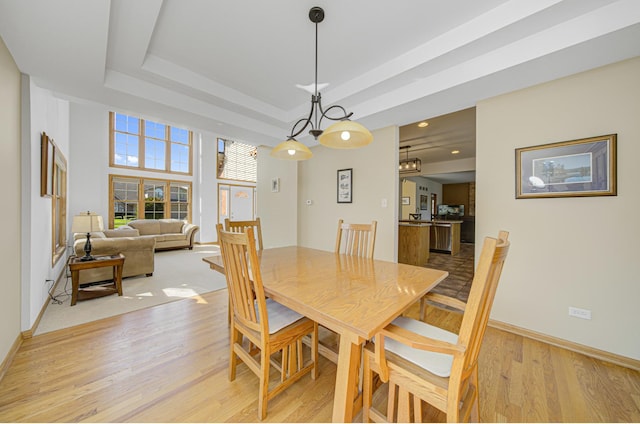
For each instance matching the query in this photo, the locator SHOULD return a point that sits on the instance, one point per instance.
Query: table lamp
(87, 223)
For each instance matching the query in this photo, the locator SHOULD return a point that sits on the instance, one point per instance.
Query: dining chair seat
(279, 316)
(434, 362)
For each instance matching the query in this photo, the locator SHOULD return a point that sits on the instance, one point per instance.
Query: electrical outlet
(579, 313)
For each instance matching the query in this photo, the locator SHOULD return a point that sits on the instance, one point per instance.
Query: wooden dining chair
(240, 226)
(270, 327)
(423, 363)
(356, 239)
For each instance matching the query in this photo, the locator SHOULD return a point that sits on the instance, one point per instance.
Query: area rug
(178, 274)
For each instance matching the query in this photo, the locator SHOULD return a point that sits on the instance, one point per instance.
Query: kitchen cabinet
(413, 242)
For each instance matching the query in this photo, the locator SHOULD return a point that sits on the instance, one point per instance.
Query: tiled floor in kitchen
(460, 268)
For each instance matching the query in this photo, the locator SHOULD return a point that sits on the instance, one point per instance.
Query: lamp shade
(291, 150)
(345, 135)
(87, 223)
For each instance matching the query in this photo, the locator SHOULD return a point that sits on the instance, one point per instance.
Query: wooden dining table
(353, 296)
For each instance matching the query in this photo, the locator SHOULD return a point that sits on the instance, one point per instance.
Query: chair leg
(314, 351)
(475, 408)
(236, 338)
(423, 308)
(367, 389)
(264, 385)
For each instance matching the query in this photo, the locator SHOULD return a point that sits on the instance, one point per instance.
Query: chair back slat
(356, 239)
(244, 281)
(241, 226)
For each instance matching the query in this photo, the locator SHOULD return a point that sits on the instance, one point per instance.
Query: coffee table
(90, 292)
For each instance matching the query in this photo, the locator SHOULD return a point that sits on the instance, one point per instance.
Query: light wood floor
(169, 364)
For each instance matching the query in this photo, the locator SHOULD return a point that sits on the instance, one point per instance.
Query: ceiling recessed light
(455, 152)
(423, 124)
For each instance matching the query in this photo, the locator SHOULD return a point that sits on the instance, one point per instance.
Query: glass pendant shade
(291, 150)
(345, 135)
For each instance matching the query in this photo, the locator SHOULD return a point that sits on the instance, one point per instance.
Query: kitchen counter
(444, 236)
(431, 222)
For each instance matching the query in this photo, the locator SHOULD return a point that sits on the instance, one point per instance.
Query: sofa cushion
(122, 232)
(174, 237)
(168, 226)
(146, 227)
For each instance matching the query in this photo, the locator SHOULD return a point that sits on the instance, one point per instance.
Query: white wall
(565, 252)
(429, 187)
(42, 112)
(205, 188)
(10, 214)
(375, 177)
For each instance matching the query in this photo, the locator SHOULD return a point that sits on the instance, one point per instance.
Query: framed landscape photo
(585, 167)
(345, 184)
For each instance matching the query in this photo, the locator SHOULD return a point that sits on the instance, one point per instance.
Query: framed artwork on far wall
(275, 185)
(424, 202)
(345, 185)
(576, 168)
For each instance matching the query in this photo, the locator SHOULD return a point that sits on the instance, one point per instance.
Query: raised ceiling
(230, 67)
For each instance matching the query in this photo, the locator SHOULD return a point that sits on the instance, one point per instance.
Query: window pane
(155, 130)
(153, 210)
(179, 158)
(126, 150)
(178, 135)
(179, 211)
(125, 200)
(124, 212)
(154, 154)
(153, 191)
(127, 124)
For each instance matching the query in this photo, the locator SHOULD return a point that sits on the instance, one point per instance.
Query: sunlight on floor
(179, 292)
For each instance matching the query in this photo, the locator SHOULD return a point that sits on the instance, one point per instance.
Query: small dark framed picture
(345, 185)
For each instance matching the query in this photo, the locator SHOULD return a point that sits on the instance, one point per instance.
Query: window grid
(146, 198)
(148, 145)
(179, 199)
(154, 200)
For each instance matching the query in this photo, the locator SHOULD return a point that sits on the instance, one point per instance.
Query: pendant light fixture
(344, 134)
(409, 165)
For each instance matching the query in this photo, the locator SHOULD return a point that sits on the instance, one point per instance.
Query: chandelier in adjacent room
(409, 164)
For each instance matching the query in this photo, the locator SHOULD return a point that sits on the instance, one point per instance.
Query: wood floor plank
(169, 363)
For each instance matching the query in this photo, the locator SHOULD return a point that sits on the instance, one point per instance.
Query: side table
(76, 265)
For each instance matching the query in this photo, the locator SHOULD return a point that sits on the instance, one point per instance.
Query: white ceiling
(230, 67)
